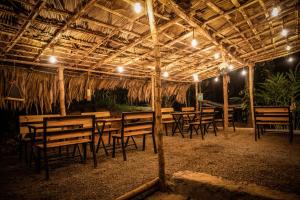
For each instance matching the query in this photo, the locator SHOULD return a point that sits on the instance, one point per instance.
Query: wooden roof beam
(33, 14)
(198, 27)
(81, 10)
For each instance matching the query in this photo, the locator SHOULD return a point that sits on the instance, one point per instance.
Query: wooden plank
(103, 114)
(267, 118)
(68, 136)
(65, 143)
(138, 116)
(271, 109)
(138, 127)
(167, 110)
(186, 109)
(61, 85)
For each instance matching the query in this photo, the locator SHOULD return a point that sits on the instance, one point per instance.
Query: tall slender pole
(152, 91)
(61, 84)
(197, 96)
(225, 97)
(250, 84)
(158, 127)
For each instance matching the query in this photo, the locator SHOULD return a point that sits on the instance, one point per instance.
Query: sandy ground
(271, 162)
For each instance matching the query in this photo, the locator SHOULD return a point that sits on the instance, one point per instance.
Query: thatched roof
(98, 35)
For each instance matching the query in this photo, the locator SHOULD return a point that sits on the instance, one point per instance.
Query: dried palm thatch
(40, 89)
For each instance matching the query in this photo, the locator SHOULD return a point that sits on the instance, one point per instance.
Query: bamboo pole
(225, 97)
(61, 84)
(250, 87)
(158, 127)
(197, 96)
(153, 92)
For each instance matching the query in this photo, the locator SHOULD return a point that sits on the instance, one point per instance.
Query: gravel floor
(271, 162)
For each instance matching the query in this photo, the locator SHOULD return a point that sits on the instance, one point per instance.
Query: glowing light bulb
(195, 77)
(217, 55)
(284, 32)
(230, 67)
(165, 74)
(244, 72)
(53, 59)
(194, 42)
(120, 69)
(275, 11)
(217, 79)
(138, 8)
(288, 47)
(290, 59)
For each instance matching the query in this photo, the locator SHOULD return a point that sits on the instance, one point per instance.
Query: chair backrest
(166, 113)
(103, 114)
(78, 127)
(24, 120)
(187, 109)
(136, 122)
(272, 114)
(207, 114)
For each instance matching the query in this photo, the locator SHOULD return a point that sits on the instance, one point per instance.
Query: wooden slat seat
(167, 118)
(64, 143)
(135, 124)
(268, 116)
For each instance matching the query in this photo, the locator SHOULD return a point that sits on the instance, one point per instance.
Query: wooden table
(178, 118)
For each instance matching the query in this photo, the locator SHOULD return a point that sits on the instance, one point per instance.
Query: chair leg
(166, 129)
(98, 144)
(215, 130)
(154, 143)
(133, 140)
(92, 146)
(202, 132)
(25, 152)
(46, 163)
(38, 161)
(233, 125)
(84, 152)
(104, 147)
(20, 148)
(191, 131)
(114, 147)
(255, 133)
(144, 142)
(123, 148)
(291, 133)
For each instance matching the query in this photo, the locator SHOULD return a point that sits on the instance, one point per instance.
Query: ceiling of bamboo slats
(98, 35)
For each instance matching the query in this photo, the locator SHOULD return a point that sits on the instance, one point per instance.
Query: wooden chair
(186, 117)
(82, 133)
(135, 124)
(167, 118)
(269, 116)
(99, 128)
(24, 132)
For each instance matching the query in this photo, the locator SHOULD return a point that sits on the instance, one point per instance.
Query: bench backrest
(104, 114)
(166, 113)
(24, 120)
(207, 114)
(77, 127)
(187, 109)
(137, 122)
(272, 114)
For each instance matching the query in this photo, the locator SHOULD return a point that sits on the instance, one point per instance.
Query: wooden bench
(135, 124)
(231, 112)
(269, 116)
(102, 128)
(167, 118)
(24, 132)
(82, 133)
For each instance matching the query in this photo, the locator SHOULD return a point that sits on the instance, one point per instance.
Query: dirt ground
(271, 162)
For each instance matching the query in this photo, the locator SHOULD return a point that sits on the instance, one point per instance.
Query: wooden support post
(61, 84)
(197, 96)
(225, 98)
(250, 86)
(157, 97)
(153, 91)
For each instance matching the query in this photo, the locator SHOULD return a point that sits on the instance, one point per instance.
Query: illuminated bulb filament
(53, 59)
(284, 32)
(275, 11)
(195, 77)
(216, 79)
(217, 55)
(244, 72)
(120, 69)
(138, 8)
(288, 47)
(165, 74)
(194, 43)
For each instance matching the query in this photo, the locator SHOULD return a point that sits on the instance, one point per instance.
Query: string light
(195, 77)
(290, 59)
(284, 32)
(275, 11)
(138, 8)
(217, 79)
(165, 74)
(217, 55)
(288, 47)
(194, 43)
(52, 59)
(120, 69)
(244, 72)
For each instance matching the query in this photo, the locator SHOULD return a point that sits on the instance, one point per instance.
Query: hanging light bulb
(290, 59)
(288, 47)
(52, 59)
(244, 72)
(230, 67)
(195, 77)
(284, 32)
(275, 11)
(138, 7)
(217, 55)
(165, 74)
(194, 43)
(120, 69)
(217, 79)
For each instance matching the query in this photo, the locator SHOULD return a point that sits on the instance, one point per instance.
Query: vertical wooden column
(61, 85)
(157, 97)
(152, 91)
(250, 85)
(197, 96)
(225, 98)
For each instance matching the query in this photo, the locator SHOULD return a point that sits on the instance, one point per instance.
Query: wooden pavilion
(56, 50)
